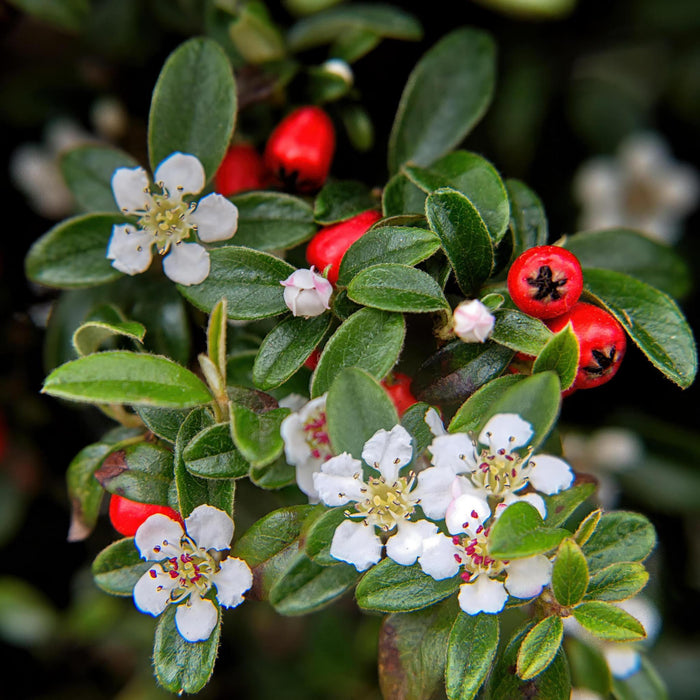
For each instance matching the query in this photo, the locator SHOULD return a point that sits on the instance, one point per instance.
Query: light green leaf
(561, 355)
(216, 338)
(569, 574)
(539, 647)
(103, 323)
(587, 527)
(589, 669)
(256, 434)
(617, 582)
(520, 332)
(609, 622)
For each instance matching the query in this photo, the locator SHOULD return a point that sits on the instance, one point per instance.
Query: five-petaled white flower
(493, 467)
(167, 221)
(472, 321)
(467, 551)
(188, 564)
(306, 293)
(385, 501)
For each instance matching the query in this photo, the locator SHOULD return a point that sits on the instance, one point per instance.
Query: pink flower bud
(306, 293)
(472, 321)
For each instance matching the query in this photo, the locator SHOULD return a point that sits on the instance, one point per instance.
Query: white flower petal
(304, 475)
(483, 595)
(472, 321)
(187, 264)
(622, 659)
(434, 422)
(152, 591)
(433, 491)
(527, 577)
(506, 431)
(463, 484)
(388, 451)
(130, 249)
(438, 557)
(584, 694)
(181, 173)
(466, 513)
(210, 528)
(130, 189)
(232, 580)
(455, 452)
(158, 538)
(406, 544)
(533, 499)
(216, 218)
(356, 544)
(550, 474)
(336, 483)
(195, 620)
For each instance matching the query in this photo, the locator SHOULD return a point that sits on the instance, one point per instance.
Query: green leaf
(589, 669)
(273, 476)
(645, 684)
(255, 36)
(476, 179)
(74, 253)
(528, 221)
(118, 567)
(569, 574)
(249, 280)
(401, 196)
(69, 15)
(193, 108)
(617, 582)
(539, 647)
(333, 23)
(103, 323)
(560, 355)
(587, 527)
(464, 237)
(520, 532)
(28, 619)
(211, 454)
(127, 377)
(183, 666)
(393, 287)
(257, 435)
(306, 586)
(445, 96)
(370, 339)
(620, 537)
(318, 535)
(164, 422)
(216, 338)
(356, 407)
(470, 654)
(520, 332)
(651, 318)
(413, 420)
(391, 587)
(341, 200)
(609, 622)
(285, 349)
(272, 220)
(400, 244)
(413, 651)
(561, 505)
(635, 254)
(88, 172)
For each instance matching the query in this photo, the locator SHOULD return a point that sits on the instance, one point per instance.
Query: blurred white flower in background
(641, 187)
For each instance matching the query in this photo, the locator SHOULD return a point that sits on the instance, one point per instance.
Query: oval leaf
(560, 355)
(609, 622)
(118, 567)
(518, 331)
(211, 454)
(539, 647)
(569, 574)
(528, 220)
(620, 536)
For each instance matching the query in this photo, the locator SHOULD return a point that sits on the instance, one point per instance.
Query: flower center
(386, 504)
(166, 218)
(473, 555)
(501, 472)
(316, 436)
(192, 568)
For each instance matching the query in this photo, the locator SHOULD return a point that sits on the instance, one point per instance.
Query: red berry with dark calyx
(127, 516)
(329, 245)
(241, 169)
(300, 149)
(545, 281)
(602, 343)
(311, 362)
(398, 386)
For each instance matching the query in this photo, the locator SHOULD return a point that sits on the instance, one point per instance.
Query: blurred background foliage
(574, 81)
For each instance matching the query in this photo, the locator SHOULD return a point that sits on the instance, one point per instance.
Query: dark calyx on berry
(547, 286)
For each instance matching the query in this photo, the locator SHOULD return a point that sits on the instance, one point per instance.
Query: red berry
(127, 516)
(329, 245)
(398, 386)
(241, 169)
(602, 342)
(311, 362)
(300, 149)
(545, 281)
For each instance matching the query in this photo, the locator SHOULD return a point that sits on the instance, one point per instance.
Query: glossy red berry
(311, 362)
(602, 343)
(127, 516)
(241, 169)
(300, 149)
(545, 281)
(398, 386)
(329, 245)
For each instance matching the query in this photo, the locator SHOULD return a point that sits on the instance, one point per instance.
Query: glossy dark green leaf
(401, 196)
(318, 535)
(561, 505)
(193, 108)
(561, 356)
(163, 422)
(651, 318)
(250, 281)
(118, 567)
(211, 454)
(445, 96)
(528, 221)
(617, 582)
(520, 332)
(609, 622)
(74, 253)
(341, 200)
(273, 476)
(257, 435)
(463, 235)
(621, 536)
(539, 647)
(413, 419)
(569, 574)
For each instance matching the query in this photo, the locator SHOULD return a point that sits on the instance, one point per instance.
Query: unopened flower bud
(338, 67)
(472, 321)
(307, 293)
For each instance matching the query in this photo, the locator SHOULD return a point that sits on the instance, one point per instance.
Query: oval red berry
(241, 169)
(545, 281)
(398, 386)
(127, 516)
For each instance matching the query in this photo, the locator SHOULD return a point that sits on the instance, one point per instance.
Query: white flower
(339, 68)
(167, 221)
(386, 501)
(472, 321)
(189, 564)
(642, 187)
(482, 590)
(306, 443)
(493, 467)
(307, 293)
